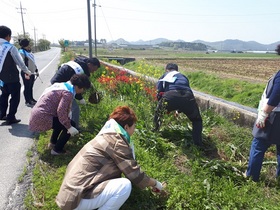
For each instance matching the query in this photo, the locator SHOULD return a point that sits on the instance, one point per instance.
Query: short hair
(5, 31)
(123, 115)
(24, 42)
(94, 61)
(80, 80)
(171, 66)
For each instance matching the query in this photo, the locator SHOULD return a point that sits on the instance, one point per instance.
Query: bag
(95, 97)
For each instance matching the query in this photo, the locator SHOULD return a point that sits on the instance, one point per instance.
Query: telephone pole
(95, 42)
(22, 18)
(89, 30)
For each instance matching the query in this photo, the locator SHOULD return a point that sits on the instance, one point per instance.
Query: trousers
(183, 101)
(28, 87)
(257, 151)
(59, 135)
(112, 197)
(13, 90)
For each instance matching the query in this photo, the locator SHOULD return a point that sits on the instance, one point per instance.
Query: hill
(226, 45)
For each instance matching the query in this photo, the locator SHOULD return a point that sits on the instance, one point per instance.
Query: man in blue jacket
(81, 65)
(174, 93)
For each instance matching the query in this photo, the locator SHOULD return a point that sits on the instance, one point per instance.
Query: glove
(262, 117)
(73, 131)
(158, 187)
(82, 101)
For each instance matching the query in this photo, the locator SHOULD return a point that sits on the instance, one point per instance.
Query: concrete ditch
(239, 114)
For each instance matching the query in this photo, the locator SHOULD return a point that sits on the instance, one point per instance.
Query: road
(16, 139)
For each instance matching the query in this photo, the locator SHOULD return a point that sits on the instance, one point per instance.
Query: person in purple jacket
(53, 111)
(174, 94)
(266, 130)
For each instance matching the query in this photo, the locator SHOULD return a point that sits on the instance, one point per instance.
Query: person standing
(9, 76)
(93, 179)
(80, 65)
(29, 60)
(266, 130)
(53, 111)
(174, 94)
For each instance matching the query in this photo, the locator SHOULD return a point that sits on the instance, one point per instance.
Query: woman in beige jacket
(93, 179)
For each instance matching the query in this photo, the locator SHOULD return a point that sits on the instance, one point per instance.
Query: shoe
(29, 104)
(51, 145)
(13, 121)
(58, 153)
(33, 102)
(3, 118)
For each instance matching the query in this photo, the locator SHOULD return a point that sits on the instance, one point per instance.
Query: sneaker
(51, 145)
(58, 153)
(29, 104)
(13, 121)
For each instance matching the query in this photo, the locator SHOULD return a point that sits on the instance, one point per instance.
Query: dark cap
(24, 42)
(171, 66)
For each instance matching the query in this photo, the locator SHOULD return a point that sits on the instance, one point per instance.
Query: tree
(43, 44)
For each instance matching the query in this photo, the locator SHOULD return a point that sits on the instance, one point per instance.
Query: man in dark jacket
(174, 93)
(81, 65)
(9, 76)
(266, 129)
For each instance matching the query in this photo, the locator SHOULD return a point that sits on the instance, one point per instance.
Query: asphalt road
(16, 139)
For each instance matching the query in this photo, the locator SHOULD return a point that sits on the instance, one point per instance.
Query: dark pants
(183, 101)
(59, 135)
(258, 149)
(28, 87)
(13, 90)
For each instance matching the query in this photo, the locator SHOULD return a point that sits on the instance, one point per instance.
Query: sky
(133, 20)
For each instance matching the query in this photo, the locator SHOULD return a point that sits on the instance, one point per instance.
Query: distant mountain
(226, 45)
(238, 45)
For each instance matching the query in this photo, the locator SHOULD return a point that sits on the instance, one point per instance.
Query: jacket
(9, 72)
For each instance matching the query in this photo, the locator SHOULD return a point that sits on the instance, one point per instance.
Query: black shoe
(29, 104)
(33, 102)
(13, 121)
(3, 118)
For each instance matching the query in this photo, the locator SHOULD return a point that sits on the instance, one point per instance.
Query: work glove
(158, 187)
(82, 101)
(262, 117)
(72, 131)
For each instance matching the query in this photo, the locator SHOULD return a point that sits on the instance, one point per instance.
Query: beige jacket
(105, 157)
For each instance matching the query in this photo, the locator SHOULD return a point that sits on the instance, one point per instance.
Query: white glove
(73, 131)
(262, 116)
(158, 187)
(82, 101)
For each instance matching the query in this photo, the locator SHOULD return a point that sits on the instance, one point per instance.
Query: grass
(196, 179)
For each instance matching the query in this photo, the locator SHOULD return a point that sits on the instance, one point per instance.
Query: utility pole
(89, 30)
(22, 18)
(95, 42)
